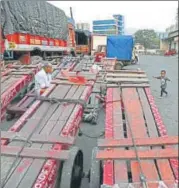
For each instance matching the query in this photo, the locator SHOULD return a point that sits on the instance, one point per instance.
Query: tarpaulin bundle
(33, 17)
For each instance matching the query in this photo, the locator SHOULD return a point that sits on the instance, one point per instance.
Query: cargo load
(33, 17)
(120, 47)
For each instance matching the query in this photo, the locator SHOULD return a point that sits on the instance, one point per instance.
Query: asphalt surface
(168, 106)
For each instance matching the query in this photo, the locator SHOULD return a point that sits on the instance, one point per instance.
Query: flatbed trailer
(14, 79)
(135, 151)
(19, 108)
(38, 149)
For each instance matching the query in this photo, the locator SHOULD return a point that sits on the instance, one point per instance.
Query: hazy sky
(151, 14)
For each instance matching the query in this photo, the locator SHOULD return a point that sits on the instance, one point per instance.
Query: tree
(148, 38)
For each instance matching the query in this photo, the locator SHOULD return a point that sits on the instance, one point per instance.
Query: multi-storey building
(83, 26)
(113, 26)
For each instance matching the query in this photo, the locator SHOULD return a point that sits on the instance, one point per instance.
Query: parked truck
(117, 46)
(97, 41)
(83, 42)
(35, 28)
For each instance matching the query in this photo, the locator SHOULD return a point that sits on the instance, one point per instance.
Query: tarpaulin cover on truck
(120, 47)
(33, 17)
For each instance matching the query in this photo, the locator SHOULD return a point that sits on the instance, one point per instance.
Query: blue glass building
(113, 26)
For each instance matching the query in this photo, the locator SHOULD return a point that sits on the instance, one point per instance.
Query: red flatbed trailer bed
(13, 80)
(18, 109)
(133, 121)
(51, 129)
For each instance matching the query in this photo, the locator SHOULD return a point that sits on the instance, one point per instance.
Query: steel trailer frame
(14, 79)
(17, 110)
(67, 117)
(132, 143)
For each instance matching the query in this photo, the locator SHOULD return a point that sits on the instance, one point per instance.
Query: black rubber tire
(95, 171)
(10, 117)
(67, 175)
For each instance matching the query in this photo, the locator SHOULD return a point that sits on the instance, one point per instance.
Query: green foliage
(148, 38)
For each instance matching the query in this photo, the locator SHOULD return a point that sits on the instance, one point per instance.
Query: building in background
(113, 26)
(170, 39)
(83, 26)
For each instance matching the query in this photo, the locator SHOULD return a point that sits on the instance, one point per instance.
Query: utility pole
(71, 12)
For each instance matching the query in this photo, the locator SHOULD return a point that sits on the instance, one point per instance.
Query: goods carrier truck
(35, 28)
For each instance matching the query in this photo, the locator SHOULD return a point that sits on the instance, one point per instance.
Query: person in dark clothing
(163, 80)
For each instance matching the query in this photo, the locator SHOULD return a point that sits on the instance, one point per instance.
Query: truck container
(96, 41)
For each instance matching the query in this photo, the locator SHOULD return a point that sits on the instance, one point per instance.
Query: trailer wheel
(72, 171)
(95, 174)
(10, 117)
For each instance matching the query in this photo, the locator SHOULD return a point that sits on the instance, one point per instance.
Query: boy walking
(163, 81)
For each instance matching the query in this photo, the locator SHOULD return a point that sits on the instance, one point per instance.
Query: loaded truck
(35, 28)
(83, 42)
(120, 47)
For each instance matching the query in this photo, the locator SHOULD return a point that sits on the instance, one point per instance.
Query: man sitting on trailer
(43, 78)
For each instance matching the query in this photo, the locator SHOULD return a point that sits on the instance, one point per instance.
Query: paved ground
(168, 107)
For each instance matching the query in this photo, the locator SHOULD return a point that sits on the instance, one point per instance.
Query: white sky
(138, 14)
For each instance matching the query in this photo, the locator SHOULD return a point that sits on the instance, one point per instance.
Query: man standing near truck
(43, 78)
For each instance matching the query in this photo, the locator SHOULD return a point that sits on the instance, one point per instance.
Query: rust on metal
(130, 155)
(157, 141)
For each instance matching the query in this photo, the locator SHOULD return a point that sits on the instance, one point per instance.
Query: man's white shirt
(42, 80)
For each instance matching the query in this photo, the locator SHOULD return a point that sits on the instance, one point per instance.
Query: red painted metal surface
(11, 92)
(127, 142)
(161, 127)
(47, 176)
(137, 123)
(22, 120)
(130, 154)
(108, 166)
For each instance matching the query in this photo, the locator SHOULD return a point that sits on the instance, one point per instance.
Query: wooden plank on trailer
(34, 153)
(134, 85)
(125, 71)
(38, 138)
(22, 73)
(164, 167)
(53, 132)
(116, 154)
(6, 85)
(150, 184)
(87, 77)
(135, 80)
(120, 167)
(127, 75)
(63, 82)
(130, 85)
(4, 78)
(128, 71)
(127, 142)
(33, 169)
(135, 119)
(38, 117)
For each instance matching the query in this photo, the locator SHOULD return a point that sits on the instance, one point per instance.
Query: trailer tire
(72, 171)
(10, 117)
(95, 171)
